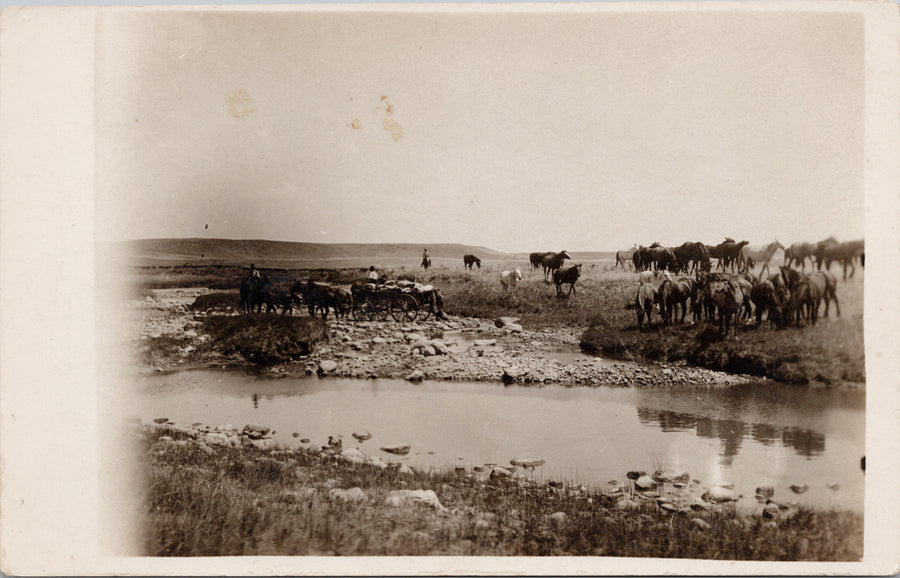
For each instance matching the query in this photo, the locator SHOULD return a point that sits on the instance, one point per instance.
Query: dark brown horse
(537, 259)
(552, 262)
(471, 260)
(673, 293)
(569, 276)
(693, 254)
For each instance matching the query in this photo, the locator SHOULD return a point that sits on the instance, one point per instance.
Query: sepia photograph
(481, 288)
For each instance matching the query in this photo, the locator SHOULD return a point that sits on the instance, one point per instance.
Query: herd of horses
(787, 297)
(691, 257)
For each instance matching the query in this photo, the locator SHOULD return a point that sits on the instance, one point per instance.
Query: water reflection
(732, 433)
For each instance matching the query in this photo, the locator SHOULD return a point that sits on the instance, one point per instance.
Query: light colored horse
(757, 254)
(625, 256)
(510, 280)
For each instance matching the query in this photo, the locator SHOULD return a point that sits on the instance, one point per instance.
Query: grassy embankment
(831, 352)
(244, 501)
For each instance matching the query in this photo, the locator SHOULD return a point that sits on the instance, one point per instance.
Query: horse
(569, 275)
(766, 298)
(672, 294)
(728, 253)
(844, 253)
(798, 253)
(645, 299)
(664, 258)
(537, 259)
(694, 254)
(426, 262)
(470, 260)
(819, 250)
(829, 289)
(762, 254)
(510, 280)
(245, 295)
(552, 262)
(319, 297)
(727, 298)
(806, 296)
(262, 292)
(625, 256)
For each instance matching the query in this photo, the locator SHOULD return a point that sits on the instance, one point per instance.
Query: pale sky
(516, 131)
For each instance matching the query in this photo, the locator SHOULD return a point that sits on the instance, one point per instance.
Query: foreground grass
(203, 501)
(831, 352)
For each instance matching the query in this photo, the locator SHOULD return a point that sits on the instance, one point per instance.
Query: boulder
(439, 347)
(353, 495)
(765, 491)
(719, 494)
(771, 511)
(485, 342)
(499, 473)
(379, 340)
(428, 351)
(362, 436)
(327, 365)
(405, 470)
(511, 374)
(633, 475)
(700, 524)
(396, 449)
(160, 420)
(414, 337)
(416, 375)
(514, 328)
(645, 482)
(399, 498)
(217, 439)
(799, 489)
(558, 518)
(254, 431)
(263, 443)
(354, 456)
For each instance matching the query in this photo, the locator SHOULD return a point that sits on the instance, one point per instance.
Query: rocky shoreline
(453, 349)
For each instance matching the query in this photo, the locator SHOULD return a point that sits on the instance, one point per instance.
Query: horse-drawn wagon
(402, 300)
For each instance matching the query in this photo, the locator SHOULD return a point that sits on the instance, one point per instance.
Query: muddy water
(749, 435)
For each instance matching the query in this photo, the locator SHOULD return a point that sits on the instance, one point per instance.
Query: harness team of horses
(673, 281)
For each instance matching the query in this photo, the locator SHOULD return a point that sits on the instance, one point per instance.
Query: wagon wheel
(363, 311)
(425, 308)
(380, 310)
(404, 308)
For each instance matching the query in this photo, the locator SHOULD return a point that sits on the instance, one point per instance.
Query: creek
(748, 435)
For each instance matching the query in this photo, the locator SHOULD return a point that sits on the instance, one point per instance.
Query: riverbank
(172, 334)
(215, 491)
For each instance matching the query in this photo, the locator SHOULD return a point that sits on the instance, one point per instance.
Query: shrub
(266, 339)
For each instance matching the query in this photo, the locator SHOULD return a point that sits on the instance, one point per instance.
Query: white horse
(510, 280)
(757, 254)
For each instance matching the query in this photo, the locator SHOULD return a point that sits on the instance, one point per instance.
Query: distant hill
(283, 253)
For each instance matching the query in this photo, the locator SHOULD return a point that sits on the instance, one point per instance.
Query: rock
(485, 342)
(414, 337)
(719, 494)
(377, 462)
(439, 346)
(645, 482)
(353, 495)
(558, 518)
(327, 365)
(765, 491)
(511, 374)
(263, 444)
(160, 420)
(700, 524)
(633, 475)
(508, 320)
(397, 449)
(669, 477)
(255, 431)
(379, 340)
(362, 436)
(771, 511)
(217, 439)
(627, 504)
(295, 434)
(500, 473)
(416, 375)
(514, 328)
(833, 486)
(405, 470)
(428, 351)
(399, 498)
(799, 489)
(354, 456)
(529, 463)
(726, 485)
(668, 507)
